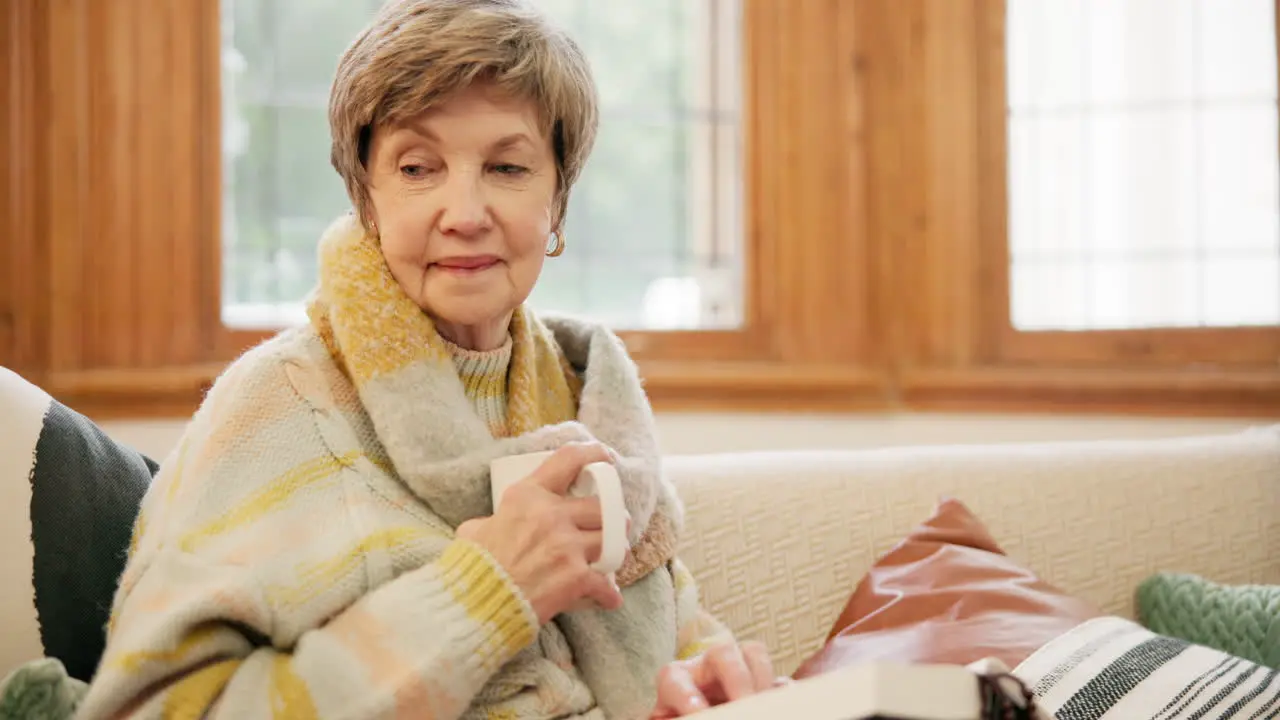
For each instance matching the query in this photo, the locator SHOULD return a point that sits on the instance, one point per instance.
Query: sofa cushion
(948, 594)
(1243, 620)
(1112, 668)
(82, 491)
(40, 690)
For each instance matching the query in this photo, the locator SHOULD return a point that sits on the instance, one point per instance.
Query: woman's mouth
(467, 265)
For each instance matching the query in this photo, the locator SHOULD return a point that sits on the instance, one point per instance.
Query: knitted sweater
(295, 557)
(484, 379)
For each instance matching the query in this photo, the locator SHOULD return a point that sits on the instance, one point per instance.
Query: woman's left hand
(722, 674)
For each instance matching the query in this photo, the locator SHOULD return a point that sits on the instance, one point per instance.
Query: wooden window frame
(935, 89)
(804, 334)
(875, 244)
(1244, 347)
(790, 269)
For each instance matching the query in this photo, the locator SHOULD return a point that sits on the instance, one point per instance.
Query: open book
(886, 691)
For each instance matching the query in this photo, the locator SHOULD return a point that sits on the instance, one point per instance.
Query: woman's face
(462, 199)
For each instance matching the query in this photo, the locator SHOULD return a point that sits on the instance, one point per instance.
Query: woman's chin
(469, 312)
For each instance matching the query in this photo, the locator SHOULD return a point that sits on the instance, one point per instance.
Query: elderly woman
(322, 543)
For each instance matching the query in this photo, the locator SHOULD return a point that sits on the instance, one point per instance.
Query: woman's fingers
(592, 542)
(722, 674)
(725, 665)
(585, 512)
(760, 665)
(602, 590)
(560, 470)
(678, 694)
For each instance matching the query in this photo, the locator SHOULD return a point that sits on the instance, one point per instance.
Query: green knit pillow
(1242, 620)
(40, 690)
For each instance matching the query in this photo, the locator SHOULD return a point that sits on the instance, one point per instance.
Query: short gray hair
(414, 53)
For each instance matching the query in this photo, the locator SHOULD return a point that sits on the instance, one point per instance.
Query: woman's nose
(465, 210)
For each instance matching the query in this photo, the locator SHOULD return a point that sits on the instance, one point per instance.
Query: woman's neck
(481, 337)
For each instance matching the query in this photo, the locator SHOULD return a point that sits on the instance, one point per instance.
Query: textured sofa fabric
(778, 541)
(70, 495)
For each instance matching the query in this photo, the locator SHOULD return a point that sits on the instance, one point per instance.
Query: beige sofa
(778, 540)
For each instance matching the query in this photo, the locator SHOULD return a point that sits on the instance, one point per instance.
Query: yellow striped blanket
(296, 557)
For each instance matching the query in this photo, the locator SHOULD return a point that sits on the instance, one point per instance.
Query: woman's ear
(368, 218)
(559, 207)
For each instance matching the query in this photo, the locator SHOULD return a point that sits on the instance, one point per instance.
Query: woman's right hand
(547, 541)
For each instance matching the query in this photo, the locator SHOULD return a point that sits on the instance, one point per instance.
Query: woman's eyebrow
(507, 142)
(420, 130)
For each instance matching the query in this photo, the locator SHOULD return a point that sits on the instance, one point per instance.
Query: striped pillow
(68, 499)
(1111, 668)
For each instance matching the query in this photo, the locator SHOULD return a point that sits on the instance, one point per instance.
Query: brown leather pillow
(947, 594)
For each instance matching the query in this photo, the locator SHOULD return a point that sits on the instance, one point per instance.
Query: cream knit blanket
(296, 556)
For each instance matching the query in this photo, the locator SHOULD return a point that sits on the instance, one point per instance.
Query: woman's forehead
(480, 101)
(479, 110)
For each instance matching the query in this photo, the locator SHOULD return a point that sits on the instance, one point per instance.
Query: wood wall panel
(195, 265)
(922, 93)
(23, 254)
(888, 39)
(107, 191)
(947, 319)
(812, 255)
(115, 160)
(65, 106)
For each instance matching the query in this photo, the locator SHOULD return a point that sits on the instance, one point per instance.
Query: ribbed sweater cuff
(501, 622)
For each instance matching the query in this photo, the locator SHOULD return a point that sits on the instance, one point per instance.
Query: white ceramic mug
(599, 479)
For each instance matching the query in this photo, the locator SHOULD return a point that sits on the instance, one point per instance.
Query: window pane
(653, 227)
(1144, 169)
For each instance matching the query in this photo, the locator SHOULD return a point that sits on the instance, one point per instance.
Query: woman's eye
(509, 169)
(413, 171)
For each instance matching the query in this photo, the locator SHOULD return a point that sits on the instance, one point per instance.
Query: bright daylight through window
(1144, 174)
(654, 228)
